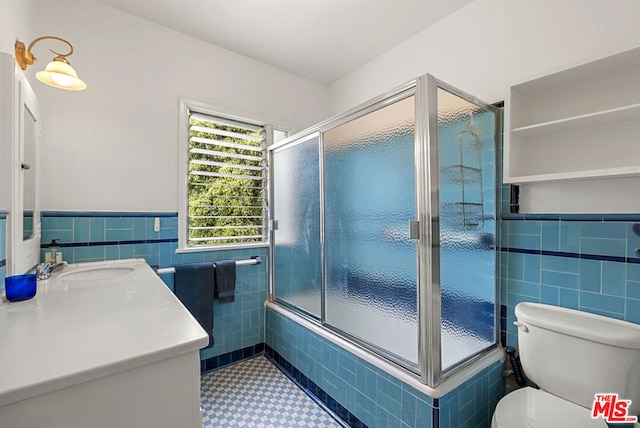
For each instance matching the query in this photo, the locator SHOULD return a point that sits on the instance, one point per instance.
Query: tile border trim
(107, 243)
(224, 360)
(584, 256)
(572, 217)
(106, 214)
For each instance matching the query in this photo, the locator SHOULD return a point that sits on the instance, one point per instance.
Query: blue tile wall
(373, 396)
(472, 404)
(99, 236)
(3, 249)
(584, 262)
(228, 358)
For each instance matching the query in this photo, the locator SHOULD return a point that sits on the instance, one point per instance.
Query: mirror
(20, 130)
(28, 173)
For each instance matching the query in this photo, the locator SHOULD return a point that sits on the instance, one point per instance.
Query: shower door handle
(414, 229)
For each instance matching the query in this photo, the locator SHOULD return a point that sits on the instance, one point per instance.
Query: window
(224, 198)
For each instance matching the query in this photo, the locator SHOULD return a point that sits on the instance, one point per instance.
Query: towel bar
(254, 260)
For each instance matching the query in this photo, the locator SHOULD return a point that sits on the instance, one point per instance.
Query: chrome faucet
(58, 266)
(44, 270)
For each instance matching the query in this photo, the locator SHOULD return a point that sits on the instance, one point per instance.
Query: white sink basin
(98, 273)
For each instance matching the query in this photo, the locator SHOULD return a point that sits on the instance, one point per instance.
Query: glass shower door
(296, 236)
(369, 201)
(466, 169)
(384, 227)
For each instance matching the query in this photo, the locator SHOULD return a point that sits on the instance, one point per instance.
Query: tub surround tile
(376, 398)
(473, 403)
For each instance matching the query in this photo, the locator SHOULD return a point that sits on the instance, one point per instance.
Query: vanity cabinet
(101, 345)
(575, 123)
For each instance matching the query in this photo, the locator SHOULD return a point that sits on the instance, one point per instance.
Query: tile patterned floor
(254, 393)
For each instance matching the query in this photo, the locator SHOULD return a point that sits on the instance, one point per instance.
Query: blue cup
(20, 287)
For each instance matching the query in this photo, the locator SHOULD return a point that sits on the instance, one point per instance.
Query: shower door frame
(426, 164)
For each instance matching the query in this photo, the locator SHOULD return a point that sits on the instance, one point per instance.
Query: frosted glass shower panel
(370, 260)
(466, 152)
(296, 239)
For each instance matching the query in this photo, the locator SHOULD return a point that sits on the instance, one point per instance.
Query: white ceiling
(322, 40)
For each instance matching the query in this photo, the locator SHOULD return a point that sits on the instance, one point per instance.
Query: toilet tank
(575, 355)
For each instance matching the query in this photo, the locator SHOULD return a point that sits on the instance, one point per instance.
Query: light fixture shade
(61, 75)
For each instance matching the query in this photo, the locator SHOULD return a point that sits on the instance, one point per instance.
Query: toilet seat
(533, 408)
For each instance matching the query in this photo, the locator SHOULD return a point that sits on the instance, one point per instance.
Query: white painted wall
(16, 23)
(114, 147)
(488, 43)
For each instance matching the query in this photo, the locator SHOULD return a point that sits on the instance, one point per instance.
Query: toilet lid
(532, 408)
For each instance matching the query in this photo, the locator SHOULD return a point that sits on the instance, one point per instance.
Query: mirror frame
(16, 94)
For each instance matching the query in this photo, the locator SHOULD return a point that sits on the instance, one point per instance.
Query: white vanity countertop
(83, 327)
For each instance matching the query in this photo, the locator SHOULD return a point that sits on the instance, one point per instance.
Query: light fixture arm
(24, 57)
(58, 72)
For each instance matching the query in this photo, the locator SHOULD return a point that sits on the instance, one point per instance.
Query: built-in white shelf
(575, 123)
(579, 175)
(590, 120)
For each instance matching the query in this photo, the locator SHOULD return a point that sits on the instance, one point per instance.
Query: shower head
(636, 228)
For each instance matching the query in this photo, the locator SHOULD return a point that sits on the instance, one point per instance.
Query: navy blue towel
(225, 280)
(194, 286)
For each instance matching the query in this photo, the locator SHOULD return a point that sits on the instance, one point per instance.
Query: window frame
(187, 106)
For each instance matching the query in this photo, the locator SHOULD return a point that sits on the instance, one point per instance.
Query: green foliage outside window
(226, 183)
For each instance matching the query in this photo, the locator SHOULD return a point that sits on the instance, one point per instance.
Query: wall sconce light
(58, 73)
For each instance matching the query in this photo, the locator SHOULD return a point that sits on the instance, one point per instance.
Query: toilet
(572, 356)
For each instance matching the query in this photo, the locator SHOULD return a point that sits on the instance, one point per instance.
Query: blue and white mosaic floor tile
(254, 393)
